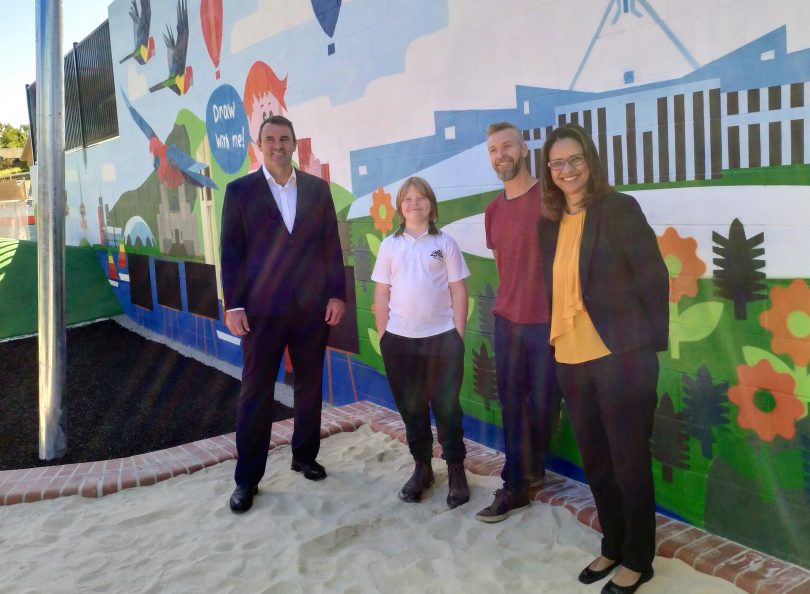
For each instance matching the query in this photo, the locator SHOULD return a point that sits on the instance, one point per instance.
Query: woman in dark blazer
(608, 290)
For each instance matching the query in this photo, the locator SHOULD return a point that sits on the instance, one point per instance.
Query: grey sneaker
(504, 505)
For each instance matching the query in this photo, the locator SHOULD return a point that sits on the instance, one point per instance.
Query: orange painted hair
(262, 80)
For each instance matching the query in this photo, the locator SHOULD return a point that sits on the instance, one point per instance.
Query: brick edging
(750, 570)
(96, 479)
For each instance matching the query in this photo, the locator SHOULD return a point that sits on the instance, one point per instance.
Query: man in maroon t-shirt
(523, 359)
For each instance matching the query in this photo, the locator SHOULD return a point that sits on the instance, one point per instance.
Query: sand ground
(348, 533)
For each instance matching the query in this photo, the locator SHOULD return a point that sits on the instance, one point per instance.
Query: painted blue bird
(144, 43)
(180, 75)
(173, 166)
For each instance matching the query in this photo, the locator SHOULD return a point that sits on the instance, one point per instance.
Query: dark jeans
(611, 402)
(426, 373)
(529, 397)
(305, 333)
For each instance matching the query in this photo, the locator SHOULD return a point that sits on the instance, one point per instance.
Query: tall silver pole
(51, 229)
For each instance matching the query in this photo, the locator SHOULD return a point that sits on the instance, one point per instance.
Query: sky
(18, 60)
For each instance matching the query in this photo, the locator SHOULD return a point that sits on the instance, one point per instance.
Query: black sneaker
(504, 505)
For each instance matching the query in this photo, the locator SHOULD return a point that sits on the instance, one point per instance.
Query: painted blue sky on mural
(763, 63)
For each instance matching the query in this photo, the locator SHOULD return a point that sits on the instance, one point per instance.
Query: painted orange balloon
(211, 20)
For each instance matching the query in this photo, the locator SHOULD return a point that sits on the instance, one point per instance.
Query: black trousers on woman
(611, 402)
(425, 374)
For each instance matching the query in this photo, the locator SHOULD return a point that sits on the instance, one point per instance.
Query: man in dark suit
(284, 285)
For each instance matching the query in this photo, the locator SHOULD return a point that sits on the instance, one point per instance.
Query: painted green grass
(786, 175)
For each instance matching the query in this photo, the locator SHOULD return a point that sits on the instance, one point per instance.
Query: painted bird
(173, 166)
(144, 43)
(180, 75)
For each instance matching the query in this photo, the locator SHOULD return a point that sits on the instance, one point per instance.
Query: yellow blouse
(573, 334)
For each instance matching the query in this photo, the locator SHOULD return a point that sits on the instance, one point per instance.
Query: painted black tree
(705, 406)
(738, 275)
(486, 320)
(362, 262)
(803, 436)
(669, 441)
(484, 382)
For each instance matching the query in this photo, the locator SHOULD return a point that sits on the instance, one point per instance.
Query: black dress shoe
(312, 470)
(589, 576)
(611, 588)
(242, 498)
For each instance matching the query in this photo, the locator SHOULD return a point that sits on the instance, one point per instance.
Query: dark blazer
(625, 284)
(264, 267)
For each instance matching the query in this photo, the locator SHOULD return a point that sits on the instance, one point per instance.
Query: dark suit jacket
(625, 284)
(264, 267)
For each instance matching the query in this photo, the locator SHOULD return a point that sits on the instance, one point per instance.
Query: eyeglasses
(576, 162)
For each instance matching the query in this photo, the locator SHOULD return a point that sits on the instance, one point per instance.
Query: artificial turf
(88, 295)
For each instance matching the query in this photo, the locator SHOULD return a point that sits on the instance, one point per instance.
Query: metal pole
(51, 229)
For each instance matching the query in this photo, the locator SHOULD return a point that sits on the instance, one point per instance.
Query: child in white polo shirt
(421, 313)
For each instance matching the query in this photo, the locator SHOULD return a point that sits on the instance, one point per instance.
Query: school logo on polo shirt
(438, 255)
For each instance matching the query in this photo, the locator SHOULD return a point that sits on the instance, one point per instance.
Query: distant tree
(484, 381)
(705, 405)
(669, 442)
(738, 276)
(13, 137)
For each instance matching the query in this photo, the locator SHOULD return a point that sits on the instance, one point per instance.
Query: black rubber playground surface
(125, 395)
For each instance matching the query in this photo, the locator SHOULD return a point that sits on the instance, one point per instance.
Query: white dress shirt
(286, 197)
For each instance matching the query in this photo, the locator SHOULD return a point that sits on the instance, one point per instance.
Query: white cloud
(108, 172)
(136, 83)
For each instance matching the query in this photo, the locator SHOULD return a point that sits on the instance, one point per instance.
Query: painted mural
(699, 108)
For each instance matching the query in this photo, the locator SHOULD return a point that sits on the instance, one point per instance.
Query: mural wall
(700, 109)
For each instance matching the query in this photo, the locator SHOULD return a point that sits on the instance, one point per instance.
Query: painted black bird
(144, 43)
(180, 75)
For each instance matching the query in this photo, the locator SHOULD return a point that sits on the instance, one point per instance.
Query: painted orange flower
(683, 264)
(767, 402)
(382, 210)
(789, 321)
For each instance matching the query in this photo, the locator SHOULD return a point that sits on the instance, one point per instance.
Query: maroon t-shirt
(511, 228)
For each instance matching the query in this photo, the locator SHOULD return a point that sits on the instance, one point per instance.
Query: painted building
(700, 109)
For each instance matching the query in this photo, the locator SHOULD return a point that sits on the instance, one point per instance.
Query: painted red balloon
(211, 19)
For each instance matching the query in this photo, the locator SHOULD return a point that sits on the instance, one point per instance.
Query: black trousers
(424, 374)
(306, 334)
(611, 402)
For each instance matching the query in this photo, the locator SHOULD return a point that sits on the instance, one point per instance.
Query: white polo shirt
(419, 271)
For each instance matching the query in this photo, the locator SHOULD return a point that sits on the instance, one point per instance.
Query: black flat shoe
(312, 470)
(242, 498)
(611, 588)
(589, 576)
